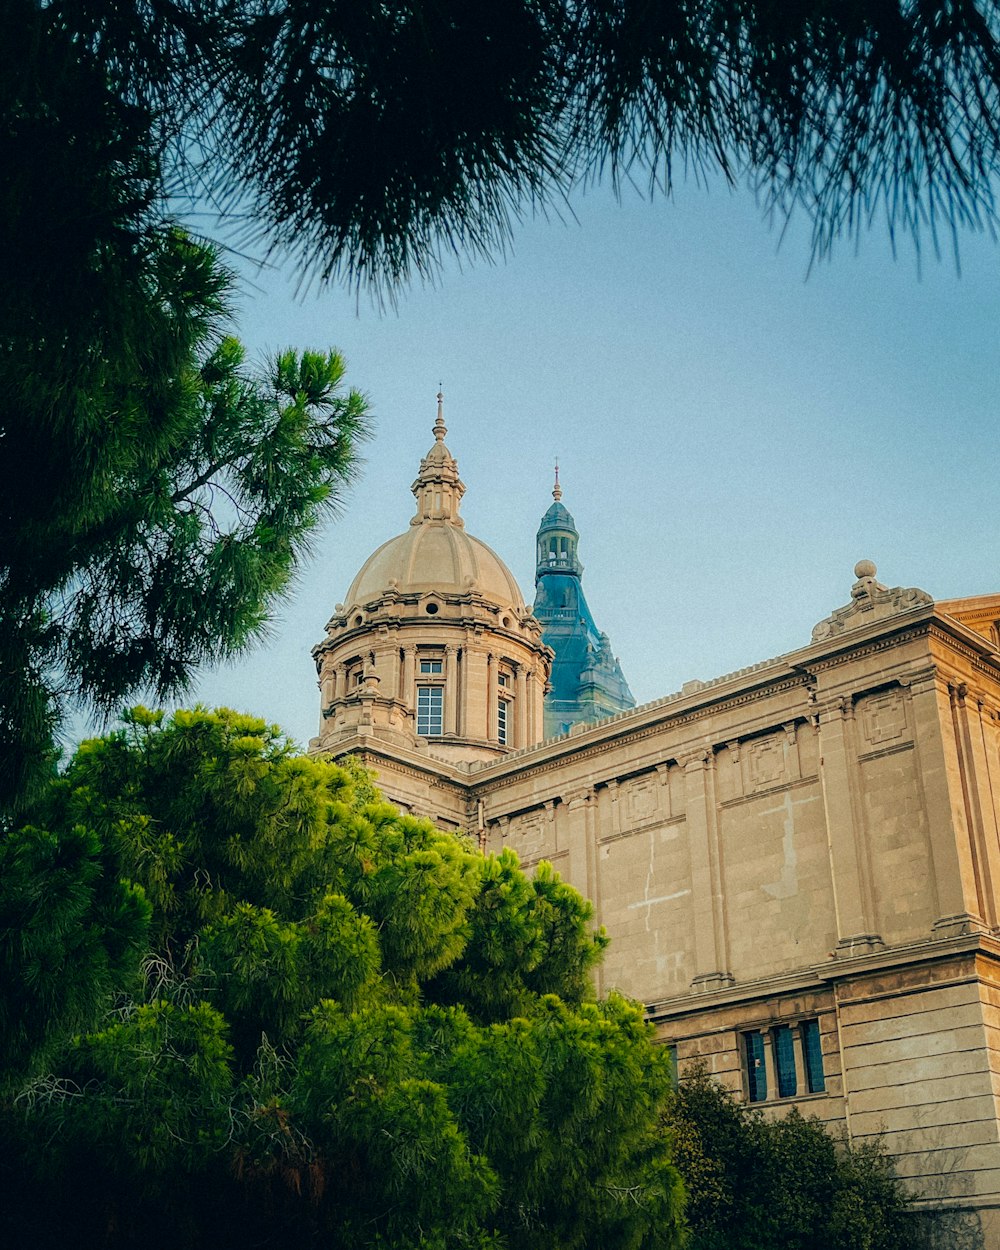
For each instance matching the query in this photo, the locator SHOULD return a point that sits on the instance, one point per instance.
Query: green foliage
(71, 934)
(529, 937)
(158, 493)
(754, 1183)
(154, 1091)
(297, 1057)
(369, 139)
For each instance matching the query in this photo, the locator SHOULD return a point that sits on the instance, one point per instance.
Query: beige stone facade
(798, 863)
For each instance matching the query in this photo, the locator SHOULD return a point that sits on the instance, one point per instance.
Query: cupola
(557, 539)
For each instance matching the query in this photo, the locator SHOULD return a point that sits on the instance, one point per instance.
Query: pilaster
(710, 944)
(952, 859)
(849, 868)
(450, 691)
(521, 706)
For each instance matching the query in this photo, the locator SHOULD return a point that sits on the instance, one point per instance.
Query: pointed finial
(440, 429)
(557, 489)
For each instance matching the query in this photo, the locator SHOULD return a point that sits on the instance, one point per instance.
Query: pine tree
(157, 492)
(297, 1057)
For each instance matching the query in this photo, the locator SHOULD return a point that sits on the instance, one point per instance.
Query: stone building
(798, 863)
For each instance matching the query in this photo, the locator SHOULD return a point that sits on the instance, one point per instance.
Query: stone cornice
(395, 758)
(637, 725)
(733, 690)
(830, 973)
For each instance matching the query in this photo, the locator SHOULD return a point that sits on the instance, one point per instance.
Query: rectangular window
(784, 1060)
(756, 1071)
(813, 1055)
(502, 722)
(430, 666)
(503, 680)
(672, 1064)
(430, 711)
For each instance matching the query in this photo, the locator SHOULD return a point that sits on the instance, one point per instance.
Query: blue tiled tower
(587, 680)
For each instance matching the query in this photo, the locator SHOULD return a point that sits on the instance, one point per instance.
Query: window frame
(812, 1056)
(785, 1074)
(503, 722)
(431, 714)
(755, 1066)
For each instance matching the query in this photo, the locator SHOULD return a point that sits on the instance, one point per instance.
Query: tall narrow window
(672, 1063)
(502, 710)
(784, 1060)
(430, 711)
(756, 1071)
(813, 1054)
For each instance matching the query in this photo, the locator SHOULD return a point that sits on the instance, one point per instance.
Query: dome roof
(558, 517)
(436, 555)
(436, 558)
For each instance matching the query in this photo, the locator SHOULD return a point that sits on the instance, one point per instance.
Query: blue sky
(734, 429)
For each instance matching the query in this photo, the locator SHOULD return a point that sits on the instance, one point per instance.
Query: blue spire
(587, 680)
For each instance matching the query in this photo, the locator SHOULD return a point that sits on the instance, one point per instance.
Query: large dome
(436, 557)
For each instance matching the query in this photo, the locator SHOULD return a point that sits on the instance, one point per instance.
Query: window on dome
(430, 711)
(502, 721)
(430, 666)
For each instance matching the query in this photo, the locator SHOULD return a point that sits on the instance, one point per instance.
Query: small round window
(432, 609)
(359, 620)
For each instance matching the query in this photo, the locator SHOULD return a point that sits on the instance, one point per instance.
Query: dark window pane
(672, 1059)
(756, 1072)
(784, 1060)
(813, 1053)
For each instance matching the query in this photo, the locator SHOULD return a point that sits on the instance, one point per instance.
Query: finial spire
(557, 489)
(440, 429)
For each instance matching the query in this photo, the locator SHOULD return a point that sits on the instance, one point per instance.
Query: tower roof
(558, 517)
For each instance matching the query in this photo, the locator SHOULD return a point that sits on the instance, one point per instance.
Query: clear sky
(734, 431)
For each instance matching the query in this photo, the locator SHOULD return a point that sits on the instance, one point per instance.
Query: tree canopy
(371, 138)
(264, 1006)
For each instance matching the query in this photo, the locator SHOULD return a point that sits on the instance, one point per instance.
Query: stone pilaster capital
(838, 708)
(696, 759)
(582, 796)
